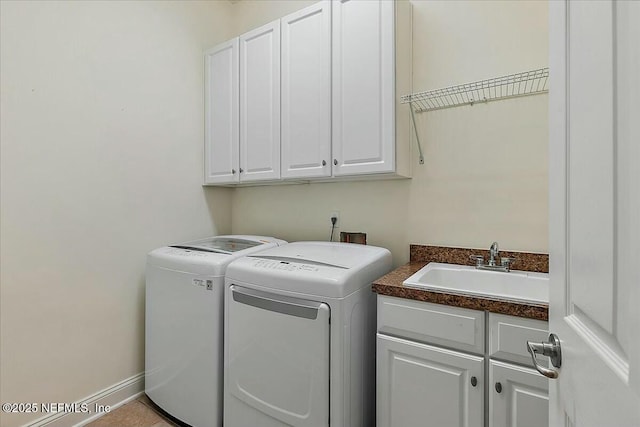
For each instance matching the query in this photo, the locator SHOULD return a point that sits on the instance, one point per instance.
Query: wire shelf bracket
(527, 83)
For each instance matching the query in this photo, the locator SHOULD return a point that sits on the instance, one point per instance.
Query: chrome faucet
(494, 255)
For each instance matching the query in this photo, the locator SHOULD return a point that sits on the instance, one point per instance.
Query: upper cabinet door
(260, 103)
(363, 87)
(221, 114)
(306, 92)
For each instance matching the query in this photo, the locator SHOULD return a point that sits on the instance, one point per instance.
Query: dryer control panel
(284, 265)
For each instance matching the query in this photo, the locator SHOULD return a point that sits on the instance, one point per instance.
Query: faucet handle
(479, 259)
(506, 262)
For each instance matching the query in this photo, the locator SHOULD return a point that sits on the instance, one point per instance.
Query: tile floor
(137, 413)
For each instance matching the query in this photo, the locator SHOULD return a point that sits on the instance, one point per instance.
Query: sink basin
(515, 285)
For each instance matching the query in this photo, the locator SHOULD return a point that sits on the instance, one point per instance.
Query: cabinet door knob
(474, 381)
(241, 170)
(499, 387)
(324, 163)
(335, 162)
(233, 171)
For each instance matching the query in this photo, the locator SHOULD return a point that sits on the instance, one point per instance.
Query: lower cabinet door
(427, 386)
(518, 396)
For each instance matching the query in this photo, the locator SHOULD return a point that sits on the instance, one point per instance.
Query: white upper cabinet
(363, 87)
(306, 92)
(221, 114)
(260, 103)
(312, 96)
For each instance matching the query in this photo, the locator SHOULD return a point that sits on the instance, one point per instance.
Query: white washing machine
(184, 316)
(300, 336)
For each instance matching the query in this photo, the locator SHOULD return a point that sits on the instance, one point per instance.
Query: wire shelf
(513, 85)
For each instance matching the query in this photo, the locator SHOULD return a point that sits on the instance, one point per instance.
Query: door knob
(324, 163)
(550, 349)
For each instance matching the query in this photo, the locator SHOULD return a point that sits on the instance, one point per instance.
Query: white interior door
(595, 212)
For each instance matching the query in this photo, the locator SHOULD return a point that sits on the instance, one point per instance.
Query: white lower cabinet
(427, 385)
(518, 396)
(433, 361)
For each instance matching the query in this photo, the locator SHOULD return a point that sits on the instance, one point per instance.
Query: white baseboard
(113, 397)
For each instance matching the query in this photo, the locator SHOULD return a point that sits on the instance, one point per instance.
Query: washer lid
(312, 268)
(209, 256)
(228, 244)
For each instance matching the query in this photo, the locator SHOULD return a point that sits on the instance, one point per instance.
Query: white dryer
(184, 315)
(300, 336)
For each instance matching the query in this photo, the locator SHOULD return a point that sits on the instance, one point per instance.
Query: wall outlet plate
(337, 215)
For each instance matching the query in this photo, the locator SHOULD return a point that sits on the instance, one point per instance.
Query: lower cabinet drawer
(452, 327)
(508, 336)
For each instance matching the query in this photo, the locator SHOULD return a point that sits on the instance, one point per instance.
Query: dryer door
(278, 349)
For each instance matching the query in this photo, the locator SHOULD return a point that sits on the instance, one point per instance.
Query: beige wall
(250, 14)
(485, 171)
(101, 154)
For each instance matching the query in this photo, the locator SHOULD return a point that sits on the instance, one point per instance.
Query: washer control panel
(186, 252)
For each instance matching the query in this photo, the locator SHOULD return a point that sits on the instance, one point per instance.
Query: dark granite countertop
(391, 284)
